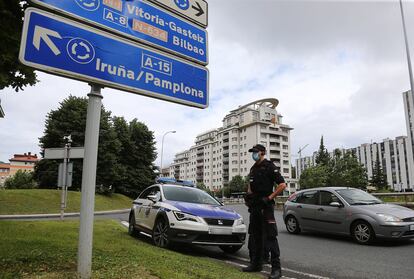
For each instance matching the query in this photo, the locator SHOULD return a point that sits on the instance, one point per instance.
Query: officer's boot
(275, 274)
(252, 268)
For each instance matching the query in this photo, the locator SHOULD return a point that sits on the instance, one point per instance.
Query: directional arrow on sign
(199, 9)
(44, 34)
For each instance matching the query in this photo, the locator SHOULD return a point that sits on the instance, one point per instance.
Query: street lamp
(162, 145)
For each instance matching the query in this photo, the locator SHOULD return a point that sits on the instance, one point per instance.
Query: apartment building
(24, 162)
(393, 158)
(221, 154)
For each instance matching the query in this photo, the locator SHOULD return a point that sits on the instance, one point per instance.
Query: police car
(174, 211)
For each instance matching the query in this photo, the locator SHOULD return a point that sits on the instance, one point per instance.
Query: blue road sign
(141, 21)
(64, 47)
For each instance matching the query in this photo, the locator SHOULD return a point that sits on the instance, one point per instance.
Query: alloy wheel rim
(160, 234)
(362, 233)
(291, 224)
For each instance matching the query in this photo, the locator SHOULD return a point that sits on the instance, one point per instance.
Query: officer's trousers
(263, 236)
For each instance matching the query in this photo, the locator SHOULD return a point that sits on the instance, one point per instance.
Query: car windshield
(186, 194)
(357, 197)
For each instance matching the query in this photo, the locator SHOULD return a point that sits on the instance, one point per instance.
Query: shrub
(20, 180)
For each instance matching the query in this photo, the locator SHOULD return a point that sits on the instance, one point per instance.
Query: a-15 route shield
(63, 47)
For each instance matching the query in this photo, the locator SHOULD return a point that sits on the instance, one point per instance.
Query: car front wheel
(160, 233)
(230, 249)
(292, 225)
(362, 232)
(131, 227)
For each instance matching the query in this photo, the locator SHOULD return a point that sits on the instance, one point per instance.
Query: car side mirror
(153, 198)
(335, 204)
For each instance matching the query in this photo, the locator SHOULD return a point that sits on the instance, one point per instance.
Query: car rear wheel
(362, 232)
(292, 225)
(131, 227)
(160, 233)
(230, 249)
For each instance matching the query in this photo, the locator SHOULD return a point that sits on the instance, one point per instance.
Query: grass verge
(38, 201)
(48, 250)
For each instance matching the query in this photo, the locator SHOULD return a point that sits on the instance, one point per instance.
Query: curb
(37, 216)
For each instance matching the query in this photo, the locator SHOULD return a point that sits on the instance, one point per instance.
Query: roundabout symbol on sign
(182, 4)
(80, 50)
(89, 5)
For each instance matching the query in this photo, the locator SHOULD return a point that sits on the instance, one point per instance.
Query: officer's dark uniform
(262, 229)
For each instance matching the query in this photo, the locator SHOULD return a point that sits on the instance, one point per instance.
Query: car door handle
(321, 209)
(137, 203)
(299, 206)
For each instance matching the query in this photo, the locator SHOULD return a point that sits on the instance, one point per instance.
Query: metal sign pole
(63, 198)
(67, 173)
(89, 182)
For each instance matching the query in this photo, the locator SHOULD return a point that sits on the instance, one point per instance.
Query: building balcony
(226, 159)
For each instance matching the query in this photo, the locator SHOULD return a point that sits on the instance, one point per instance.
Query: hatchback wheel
(160, 233)
(292, 225)
(131, 227)
(362, 232)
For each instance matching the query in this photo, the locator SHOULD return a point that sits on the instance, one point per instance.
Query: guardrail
(406, 199)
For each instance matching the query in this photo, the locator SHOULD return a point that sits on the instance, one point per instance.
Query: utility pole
(410, 72)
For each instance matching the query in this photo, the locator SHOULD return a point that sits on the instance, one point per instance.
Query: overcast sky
(338, 69)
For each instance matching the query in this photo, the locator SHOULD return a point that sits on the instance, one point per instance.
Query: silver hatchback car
(347, 211)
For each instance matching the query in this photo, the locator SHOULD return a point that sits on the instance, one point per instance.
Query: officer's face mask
(256, 156)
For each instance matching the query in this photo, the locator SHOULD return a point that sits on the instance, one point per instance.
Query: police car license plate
(411, 227)
(225, 231)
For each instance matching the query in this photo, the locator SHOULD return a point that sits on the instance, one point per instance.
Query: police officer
(260, 199)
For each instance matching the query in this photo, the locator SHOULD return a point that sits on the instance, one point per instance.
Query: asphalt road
(316, 255)
(319, 256)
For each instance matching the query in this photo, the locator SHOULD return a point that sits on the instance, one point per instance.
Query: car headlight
(239, 222)
(389, 218)
(181, 216)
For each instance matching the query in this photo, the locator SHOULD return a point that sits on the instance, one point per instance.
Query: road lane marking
(125, 223)
(284, 268)
(243, 265)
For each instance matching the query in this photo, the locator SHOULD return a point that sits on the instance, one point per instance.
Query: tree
(379, 178)
(70, 118)
(20, 180)
(313, 177)
(136, 156)
(342, 170)
(12, 72)
(237, 184)
(322, 158)
(346, 171)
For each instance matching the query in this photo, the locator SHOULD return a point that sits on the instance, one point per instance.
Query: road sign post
(89, 182)
(144, 50)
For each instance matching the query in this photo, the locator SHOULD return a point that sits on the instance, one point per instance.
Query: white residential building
(221, 154)
(392, 156)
